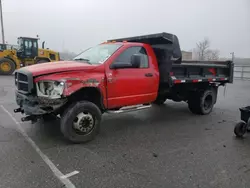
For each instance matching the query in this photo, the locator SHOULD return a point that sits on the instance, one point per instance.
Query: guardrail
(242, 72)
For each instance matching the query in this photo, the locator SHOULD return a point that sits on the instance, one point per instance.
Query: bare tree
(202, 48)
(213, 54)
(203, 51)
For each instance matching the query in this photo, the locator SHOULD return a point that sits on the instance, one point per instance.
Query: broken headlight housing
(51, 89)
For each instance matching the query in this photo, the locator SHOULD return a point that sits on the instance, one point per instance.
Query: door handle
(149, 75)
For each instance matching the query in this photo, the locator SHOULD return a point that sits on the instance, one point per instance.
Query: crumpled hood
(56, 67)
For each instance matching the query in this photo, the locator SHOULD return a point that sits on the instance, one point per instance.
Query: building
(186, 55)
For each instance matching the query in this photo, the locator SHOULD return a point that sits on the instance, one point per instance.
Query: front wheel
(81, 122)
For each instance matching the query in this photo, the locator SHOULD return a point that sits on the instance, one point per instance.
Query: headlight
(52, 89)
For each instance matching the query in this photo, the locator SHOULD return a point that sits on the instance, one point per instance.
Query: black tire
(240, 129)
(69, 116)
(10, 63)
(202, 103)
(160, 100)
(41, 61)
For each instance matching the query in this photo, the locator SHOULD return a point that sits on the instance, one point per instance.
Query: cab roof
(28, 38)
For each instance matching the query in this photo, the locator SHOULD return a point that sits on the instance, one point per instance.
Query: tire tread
(69, 115)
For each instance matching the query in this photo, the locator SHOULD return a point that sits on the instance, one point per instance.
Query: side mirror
(120, 65)
(136, 60)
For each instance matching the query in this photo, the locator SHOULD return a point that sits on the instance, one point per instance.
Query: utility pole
(232, 53)
(1, 14)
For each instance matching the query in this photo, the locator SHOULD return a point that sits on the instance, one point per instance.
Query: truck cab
(117, 76)
(130, 63)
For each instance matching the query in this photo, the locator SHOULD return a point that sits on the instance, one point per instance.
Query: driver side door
(131, 86)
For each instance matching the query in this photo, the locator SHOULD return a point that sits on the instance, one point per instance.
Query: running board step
(129, 109)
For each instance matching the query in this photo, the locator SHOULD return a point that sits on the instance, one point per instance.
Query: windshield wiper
(82, 59)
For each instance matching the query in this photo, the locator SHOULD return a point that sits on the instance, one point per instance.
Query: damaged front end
(35, 107)
(37, 99)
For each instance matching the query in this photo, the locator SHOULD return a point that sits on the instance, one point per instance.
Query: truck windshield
(98, 54)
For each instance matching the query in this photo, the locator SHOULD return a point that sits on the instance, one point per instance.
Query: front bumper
(33, 105)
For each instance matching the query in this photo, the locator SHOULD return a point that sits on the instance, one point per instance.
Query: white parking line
(70, 174)
(52, 167)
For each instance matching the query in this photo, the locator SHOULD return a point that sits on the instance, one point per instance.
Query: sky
(75, 25)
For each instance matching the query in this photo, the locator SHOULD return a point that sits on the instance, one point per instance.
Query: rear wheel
(81, 122)
(202, 103)
(7, 66)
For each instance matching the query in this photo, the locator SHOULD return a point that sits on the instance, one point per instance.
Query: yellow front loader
(27, 53)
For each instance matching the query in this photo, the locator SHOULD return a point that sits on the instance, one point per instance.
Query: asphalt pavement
(163, 146)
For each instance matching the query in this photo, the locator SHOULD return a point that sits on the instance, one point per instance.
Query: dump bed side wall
(202, 72)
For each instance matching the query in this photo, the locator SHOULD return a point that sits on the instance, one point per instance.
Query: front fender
(73, 85)
(76, 82)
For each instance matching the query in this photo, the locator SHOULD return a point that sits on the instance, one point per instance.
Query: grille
(23, 87)
(22, 82)
(22, 77)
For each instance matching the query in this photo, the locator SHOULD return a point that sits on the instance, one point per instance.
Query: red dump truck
(117, 76)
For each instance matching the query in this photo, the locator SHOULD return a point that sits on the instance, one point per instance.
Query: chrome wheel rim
(83, 123)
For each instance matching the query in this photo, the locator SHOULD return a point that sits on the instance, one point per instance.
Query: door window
(28, 47)
(28, 44)
(125, 57)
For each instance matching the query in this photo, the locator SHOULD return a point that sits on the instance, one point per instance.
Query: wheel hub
(5, 66)
(84, 122)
